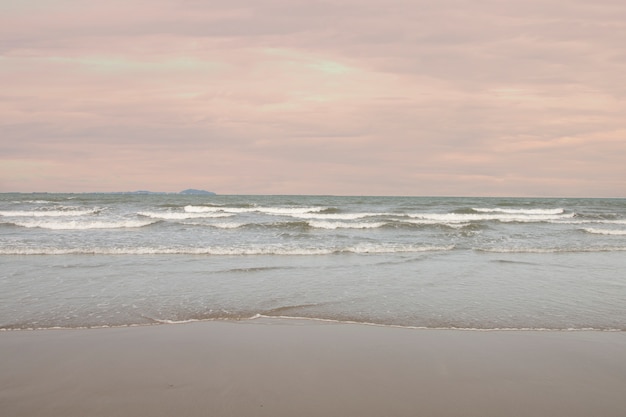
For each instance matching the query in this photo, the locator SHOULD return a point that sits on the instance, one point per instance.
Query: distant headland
(188, 191)
(194, 191)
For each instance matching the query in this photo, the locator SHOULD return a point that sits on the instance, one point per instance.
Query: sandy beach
(307, 368)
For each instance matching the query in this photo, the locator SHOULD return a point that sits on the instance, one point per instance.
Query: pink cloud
(368, 97)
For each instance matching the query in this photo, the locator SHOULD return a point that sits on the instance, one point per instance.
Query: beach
(280, 306)
(286, 367)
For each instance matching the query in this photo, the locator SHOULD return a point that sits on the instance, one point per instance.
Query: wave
(453, 224)
(226, 251)
(601, 221)
(372, 248)
(182, 216)
(235, 225)
(532, 212)
(453, 219)
(331, 225)
(268, 316)
(33, 202)
(290, 210)
(344, 225)
(501, 217)
(223, 225)
(553, 250)
(266, 210)
(202, 209)
(49, 213)
(320, 224)
(613, 232)
(339, 216)
(83, 225)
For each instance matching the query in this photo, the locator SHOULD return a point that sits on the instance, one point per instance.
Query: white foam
(369, 248)
(612, 221)
(165, 321)
(222, 225)
(554, 250)
(290, 210)
(182, 216)
(613, 232)
(401, 326)
(453, 224)
(520, 211)
(48, 213)
(344, 225)
(166, 251)
(227, 225)
(502, 217)
(226, 251)
(336, 216)
(272, 318)
(82, 225)
(267, 210)
(588, 221)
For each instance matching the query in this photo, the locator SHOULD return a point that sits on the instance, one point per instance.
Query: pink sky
(367, 97)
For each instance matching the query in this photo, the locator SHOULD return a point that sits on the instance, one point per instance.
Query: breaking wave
(82, 225)
(554, 250)
(501, 217)
(48, 213)
(238, 251)
(182, 216)
(532, 212)
(345, 225)
(610, 232)
(267, 210)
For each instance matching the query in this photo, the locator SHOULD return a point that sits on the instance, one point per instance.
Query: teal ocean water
(91, 260)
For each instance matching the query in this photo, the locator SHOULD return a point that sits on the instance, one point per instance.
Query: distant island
(190, 191)
(194, 191)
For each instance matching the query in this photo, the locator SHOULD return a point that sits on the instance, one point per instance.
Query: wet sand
(305, 368)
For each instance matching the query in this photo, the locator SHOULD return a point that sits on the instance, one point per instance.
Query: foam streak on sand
(316, 369)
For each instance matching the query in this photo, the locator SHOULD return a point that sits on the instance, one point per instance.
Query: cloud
(350, 97)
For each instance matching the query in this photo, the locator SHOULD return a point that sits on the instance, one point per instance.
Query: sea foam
(345, 225)
(48, 213)
(613, 232)
(500, 217)
(520, 211)
(225, 250)
(83, 224)
(267, 210)
(182, 216)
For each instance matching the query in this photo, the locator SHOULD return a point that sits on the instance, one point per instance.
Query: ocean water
(91, 260)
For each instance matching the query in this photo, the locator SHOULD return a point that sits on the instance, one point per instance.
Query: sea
(126, 259)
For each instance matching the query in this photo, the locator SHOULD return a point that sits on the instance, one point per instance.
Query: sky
(341, 97)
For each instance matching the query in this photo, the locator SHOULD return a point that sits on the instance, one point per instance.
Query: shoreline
(285, 367)
(262, 318)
